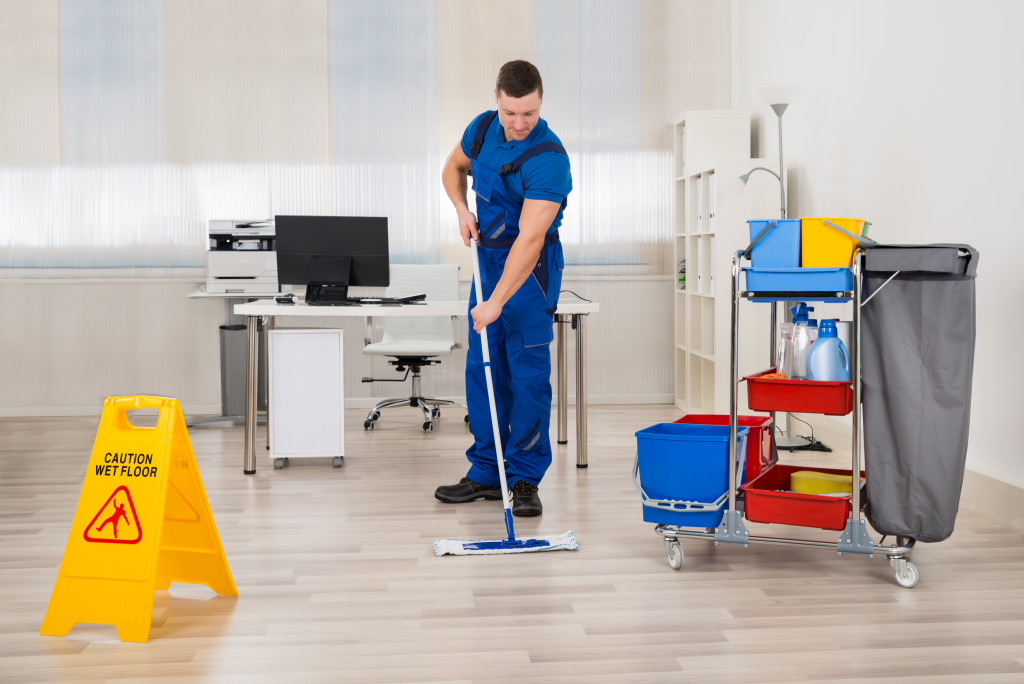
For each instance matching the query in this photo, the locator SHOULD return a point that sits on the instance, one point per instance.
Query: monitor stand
(328, 281)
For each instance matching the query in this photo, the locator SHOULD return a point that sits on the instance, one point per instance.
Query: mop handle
(490, 395)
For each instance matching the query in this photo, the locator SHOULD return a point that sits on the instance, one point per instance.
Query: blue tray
(824, 283)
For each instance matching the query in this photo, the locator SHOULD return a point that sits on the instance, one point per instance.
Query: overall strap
(481, 131)
(541, 148)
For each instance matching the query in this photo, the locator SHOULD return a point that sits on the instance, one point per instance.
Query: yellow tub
(814, 482)
(821, 245)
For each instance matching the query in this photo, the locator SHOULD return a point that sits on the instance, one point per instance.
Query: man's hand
(485, 314)
(468, 226)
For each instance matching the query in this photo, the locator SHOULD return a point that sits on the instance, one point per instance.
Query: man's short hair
(519, 78)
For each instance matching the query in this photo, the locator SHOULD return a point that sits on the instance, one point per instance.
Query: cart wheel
(338, 461)
(674, 551)
(278, 463)
(907, 575)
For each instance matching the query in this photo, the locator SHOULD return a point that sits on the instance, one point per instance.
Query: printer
(241, 257)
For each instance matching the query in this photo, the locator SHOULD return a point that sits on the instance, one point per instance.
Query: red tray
(801, 396)
(764, 503)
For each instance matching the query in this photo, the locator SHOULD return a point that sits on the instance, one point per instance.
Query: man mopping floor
(521, 181)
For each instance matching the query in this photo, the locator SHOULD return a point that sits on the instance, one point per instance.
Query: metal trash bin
(917, 361)
(233, 340)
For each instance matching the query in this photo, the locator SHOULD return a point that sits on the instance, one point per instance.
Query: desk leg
(251, 378)
(581, 391)
(561, 322)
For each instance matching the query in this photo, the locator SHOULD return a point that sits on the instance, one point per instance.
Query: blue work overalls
(519, 340)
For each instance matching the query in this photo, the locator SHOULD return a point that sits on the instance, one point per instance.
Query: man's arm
(453, 178)
(534, 221)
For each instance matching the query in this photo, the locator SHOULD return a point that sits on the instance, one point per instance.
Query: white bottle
(784, 352)
(801, 342)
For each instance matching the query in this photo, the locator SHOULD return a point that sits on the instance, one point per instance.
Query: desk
(571, 311)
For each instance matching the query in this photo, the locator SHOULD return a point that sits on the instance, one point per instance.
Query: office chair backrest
(440, 282)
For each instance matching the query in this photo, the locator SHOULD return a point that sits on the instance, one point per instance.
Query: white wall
(908, 116)
(154, 116)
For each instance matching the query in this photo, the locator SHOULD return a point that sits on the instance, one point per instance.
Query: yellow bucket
(822, 245)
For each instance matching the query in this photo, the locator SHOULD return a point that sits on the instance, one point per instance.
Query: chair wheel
(375, 416)
(428, 426)
(367, 424)
(435, 413)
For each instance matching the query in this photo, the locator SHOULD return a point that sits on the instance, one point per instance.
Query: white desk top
(203, 294)
(453, 308)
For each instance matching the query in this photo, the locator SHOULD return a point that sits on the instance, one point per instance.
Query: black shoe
(525, 499)
(467, 491)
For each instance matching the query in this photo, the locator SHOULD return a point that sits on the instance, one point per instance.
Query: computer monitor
(327, 254)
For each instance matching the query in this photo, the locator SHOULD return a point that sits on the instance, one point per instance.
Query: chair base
(429, 405)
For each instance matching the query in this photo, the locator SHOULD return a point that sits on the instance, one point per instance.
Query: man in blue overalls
(521, 180)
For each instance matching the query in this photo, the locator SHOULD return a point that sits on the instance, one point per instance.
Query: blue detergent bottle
(827, 359)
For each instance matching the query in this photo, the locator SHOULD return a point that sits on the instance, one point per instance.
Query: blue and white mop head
(469, 547)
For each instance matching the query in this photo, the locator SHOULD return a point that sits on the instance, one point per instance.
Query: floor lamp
(788, 440)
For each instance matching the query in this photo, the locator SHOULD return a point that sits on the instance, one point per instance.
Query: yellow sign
(143, 521)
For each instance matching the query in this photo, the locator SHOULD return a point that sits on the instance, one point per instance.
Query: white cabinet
(712, 206)
(307, 395)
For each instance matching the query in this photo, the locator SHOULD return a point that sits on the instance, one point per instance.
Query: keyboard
(357, 301)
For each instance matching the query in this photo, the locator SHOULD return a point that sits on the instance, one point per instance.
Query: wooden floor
(338, 582)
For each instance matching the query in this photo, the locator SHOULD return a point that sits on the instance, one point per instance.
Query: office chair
(417, 341)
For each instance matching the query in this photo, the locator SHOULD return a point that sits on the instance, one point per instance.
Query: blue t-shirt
(544, 177)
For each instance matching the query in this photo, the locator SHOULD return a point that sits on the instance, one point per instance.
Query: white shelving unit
(712, 206)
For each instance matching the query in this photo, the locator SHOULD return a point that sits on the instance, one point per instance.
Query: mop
(466, 547)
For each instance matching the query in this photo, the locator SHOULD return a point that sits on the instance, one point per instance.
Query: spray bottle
(784, 351)
(812, 324)
(801, 342)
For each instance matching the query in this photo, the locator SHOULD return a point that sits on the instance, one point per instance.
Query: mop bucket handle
(753, 243)
(862, 240)
(673, 504)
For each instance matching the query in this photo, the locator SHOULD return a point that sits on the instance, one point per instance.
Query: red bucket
(760, 454)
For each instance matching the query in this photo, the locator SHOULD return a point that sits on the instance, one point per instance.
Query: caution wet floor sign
(142, 522)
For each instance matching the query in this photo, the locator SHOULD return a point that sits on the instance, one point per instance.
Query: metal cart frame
(854, 539)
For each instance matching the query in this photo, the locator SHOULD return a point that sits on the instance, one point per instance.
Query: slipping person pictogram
(118, 514)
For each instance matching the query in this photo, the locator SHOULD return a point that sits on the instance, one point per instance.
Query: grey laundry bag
(917, 361)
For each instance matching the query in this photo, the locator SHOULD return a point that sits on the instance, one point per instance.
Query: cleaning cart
(770, 497)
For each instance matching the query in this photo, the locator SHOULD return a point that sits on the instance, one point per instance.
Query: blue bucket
(684, 469)
(780, 246)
